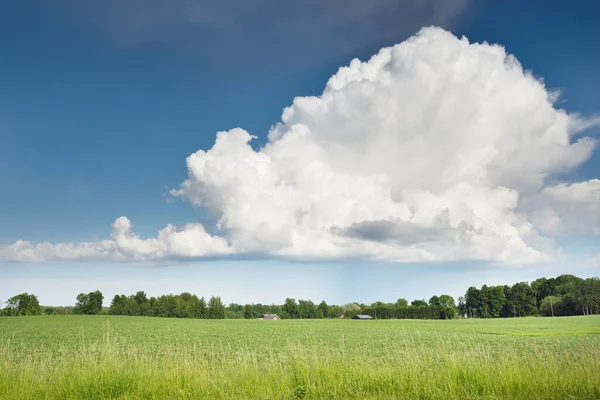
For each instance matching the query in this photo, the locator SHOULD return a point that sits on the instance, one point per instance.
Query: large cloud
(428, 151)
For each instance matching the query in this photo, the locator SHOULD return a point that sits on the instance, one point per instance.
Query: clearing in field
(99, 357)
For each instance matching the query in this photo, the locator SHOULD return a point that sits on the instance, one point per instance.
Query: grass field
(98, 357)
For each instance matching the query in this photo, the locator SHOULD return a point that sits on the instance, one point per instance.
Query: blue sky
(101, 104)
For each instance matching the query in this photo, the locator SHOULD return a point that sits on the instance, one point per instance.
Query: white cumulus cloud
(124, 245)
(568, 209)
(434, 149)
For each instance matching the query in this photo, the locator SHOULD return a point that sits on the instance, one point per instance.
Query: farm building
(269, 316)
(361, 316)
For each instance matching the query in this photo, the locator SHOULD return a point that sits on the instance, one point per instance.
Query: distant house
(269, 316)
(361, 316)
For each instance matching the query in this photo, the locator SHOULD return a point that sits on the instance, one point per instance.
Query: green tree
(587, 293)
(118, 305)
(447, 307)
(418, 303)
(473, 302)
(23, 304)
(495, 301)
(401, 303)
(508, 310)
(543, 288)
(203, 308)
(165, 306)
(381, 310)
(335, 311)
(549, 305)
(183, 306)
(523, 299)
(142, 303)
(484, 304)
(216, 309)
(290, 307)
(447, 301)
(197, 307)
(447, 312)
(324, 308)
(351, 309)
(307, 309)
(89, 304)
(248, 313)
(96, 299)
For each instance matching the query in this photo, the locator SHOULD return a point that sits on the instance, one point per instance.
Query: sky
(342, 150)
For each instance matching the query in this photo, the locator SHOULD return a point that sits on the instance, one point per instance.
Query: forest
(560, 296)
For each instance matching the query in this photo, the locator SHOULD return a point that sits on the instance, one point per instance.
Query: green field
(98, 357)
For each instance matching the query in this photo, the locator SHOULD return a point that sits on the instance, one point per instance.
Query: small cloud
(167, 194)
(192, 241)
(567, 209)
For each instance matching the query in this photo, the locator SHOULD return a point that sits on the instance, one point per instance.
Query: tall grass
(404, 365)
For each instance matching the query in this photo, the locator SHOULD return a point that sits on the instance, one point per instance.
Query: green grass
(99, 357)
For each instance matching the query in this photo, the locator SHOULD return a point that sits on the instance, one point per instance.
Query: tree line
(563, 295)
(184, 305)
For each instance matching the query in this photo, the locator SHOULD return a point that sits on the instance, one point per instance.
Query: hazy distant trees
(58, 310)
(563, 295)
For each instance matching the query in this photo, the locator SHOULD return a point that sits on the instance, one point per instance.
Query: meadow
(118, 357)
